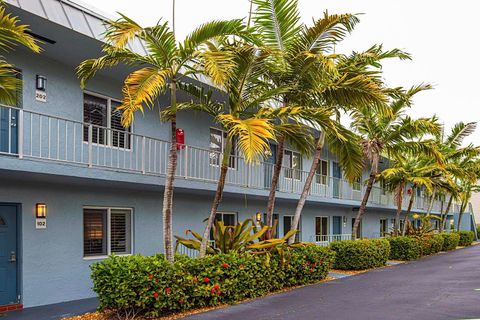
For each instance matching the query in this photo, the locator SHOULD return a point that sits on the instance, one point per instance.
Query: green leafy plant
(450, 241)
(404, 248)
(465, 238)
(426, 228)
(151, 286)
(360, 254)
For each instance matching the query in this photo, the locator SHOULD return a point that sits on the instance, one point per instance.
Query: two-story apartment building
(76, 186)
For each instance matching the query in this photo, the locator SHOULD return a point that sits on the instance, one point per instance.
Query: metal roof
(73, 16)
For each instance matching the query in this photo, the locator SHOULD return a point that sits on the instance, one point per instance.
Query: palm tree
(301, 61)
(164, 68)
(414, 171)
(12, 33)
(389, 134)
(458, 160)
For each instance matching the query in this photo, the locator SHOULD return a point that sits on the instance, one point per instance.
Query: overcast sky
(441, 35)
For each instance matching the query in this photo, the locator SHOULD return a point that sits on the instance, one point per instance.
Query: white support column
(20, 134)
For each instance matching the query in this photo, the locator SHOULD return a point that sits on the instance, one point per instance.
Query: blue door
(337, 176)
(337, 225)
(269, 166)
(8, 130)
(8, 254)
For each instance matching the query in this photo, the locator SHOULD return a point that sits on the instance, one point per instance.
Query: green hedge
(149, 285)
(466, 238)
(360, 254)
(430, 244)
(450, 241)
(404, 248)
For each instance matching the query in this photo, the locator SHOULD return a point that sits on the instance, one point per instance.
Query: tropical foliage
(12, 34)
(136, 286)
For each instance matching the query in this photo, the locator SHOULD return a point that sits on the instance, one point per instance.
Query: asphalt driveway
(444, 286)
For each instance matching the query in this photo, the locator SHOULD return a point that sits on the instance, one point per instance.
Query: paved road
(444, 286)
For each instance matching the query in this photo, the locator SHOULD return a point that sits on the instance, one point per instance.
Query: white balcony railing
(33, 135)
(324, 240)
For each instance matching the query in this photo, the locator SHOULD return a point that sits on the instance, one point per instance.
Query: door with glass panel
(269, 166)
(336, 177)
(337, 228)
(383, 227)
(321, 229)
(9, 122)
(287, 226)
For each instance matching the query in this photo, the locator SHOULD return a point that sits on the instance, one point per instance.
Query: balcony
(34, 136)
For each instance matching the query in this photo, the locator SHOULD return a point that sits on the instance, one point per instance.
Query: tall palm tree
(165, 66)
(12, 33)
(413, 171)
(302, 62)
(457, 162)
(388, 134)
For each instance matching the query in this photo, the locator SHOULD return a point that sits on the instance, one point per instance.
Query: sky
(441, 35)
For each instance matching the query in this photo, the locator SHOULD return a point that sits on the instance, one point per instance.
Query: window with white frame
(322, 172)
(383, 227)
(107, 231)
(106, 120)
(287, 226)
(292, 161)
(228, 219)
(218, 140)
(321, 228)
(357, 184)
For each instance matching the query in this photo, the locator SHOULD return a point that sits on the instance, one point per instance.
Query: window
(359, 230)
(105, 118)
(322, 172)
(275, 222)
(287, 226)
(2, 222)
(383, 227)
(321, 228)
(357, 184)
(107, 231)
(292, 161)
(436, 224)
(218, 140)
(228, 218)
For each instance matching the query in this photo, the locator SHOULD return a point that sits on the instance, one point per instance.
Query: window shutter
(120, 135)
(94, 232)
(95, 113)
(120, 231)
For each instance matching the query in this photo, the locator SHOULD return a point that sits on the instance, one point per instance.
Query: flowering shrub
(466, 238)
(149, 285)
(450, 241)
(360, 254)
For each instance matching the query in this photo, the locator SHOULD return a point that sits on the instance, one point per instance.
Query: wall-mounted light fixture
(393, 222)
(41, 83)
(41, 210)
(258, 216)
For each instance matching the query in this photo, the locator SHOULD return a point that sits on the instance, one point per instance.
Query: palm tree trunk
(463, 207)
(445, 213)
(430, 206)
(399, 196)
(273, 187)
(368, 190)
(218, 197)
(409, 209)
(308, 183)
(171, 169)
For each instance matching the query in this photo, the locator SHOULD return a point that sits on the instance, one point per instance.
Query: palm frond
(459, 132)
(277, 21)
(141, 87)
(251, 134)
(9, 83)
(13, 33)
(121, 31)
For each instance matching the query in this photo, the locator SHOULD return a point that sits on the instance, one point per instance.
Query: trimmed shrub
(450, 241)
(151, 286)
(437, 243)
(404, 248)
(360, 254)
(466, 238)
